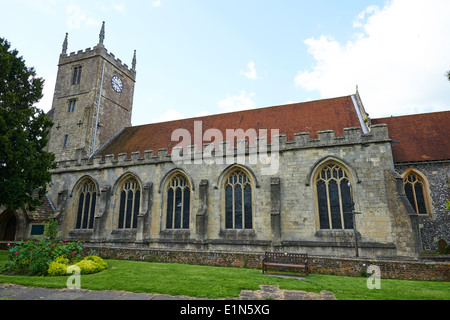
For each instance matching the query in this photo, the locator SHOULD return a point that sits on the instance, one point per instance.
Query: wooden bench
(285, 260)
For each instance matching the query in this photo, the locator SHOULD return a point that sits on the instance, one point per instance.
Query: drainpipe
(98, 109)
(355, 232)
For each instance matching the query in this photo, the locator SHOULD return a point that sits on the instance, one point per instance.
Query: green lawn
(215, 282)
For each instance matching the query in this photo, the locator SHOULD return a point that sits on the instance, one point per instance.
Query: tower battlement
(98, 50)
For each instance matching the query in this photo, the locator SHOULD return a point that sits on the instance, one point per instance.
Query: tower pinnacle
(133, 64)
(65, 44)
(102, 34)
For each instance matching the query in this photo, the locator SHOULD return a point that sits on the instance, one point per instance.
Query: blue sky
(199, 57)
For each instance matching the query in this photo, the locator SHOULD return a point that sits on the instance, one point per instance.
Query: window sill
(343, 233)
(239, 233)
(175, 231)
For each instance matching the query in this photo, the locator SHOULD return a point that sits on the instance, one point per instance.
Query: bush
(33, 257)
(49, 256)
(89, 265)
(98, 261)
(92, 264)
(57, 269)
(62, 260)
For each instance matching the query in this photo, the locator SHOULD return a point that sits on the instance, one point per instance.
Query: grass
(217, 282)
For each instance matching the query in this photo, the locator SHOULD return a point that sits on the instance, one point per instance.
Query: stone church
(318, 177)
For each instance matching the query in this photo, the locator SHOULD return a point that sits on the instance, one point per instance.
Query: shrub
(57, 269)
(49, 256)
(91, 265)
(51, 229)
(62, 260)
(98, 261)
(33, 257)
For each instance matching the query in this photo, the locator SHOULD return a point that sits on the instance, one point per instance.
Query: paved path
(16, 292)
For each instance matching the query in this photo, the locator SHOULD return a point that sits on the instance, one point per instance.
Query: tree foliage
(24, 130)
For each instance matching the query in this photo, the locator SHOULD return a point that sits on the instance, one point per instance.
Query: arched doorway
(8, 228)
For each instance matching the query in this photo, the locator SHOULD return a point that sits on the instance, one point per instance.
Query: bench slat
(287, 260)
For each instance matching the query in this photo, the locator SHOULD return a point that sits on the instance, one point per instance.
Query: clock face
(117, 84)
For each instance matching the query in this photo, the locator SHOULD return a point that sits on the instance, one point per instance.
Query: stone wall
(284, 205)
(436, 225)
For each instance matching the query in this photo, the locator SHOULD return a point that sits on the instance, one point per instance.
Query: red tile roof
(421, 137)
(328, 114)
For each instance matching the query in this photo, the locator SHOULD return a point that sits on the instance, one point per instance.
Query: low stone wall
(353, 267)
(390, 269)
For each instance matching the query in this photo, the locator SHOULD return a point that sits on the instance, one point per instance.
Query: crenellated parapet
(325, 139)
(96, 51)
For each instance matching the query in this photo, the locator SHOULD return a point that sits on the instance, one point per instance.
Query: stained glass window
(178, 203)
(238, 201)
(130, 198)
(86, 206)
(334, 200)
(415, 192)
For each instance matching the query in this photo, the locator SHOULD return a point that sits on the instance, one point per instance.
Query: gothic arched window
(415, 190)
(86, 206)
(238, 201)
(334, 200)
(130, 198)
(178, 203)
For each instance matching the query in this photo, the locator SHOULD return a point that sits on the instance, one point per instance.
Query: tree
(24, 130)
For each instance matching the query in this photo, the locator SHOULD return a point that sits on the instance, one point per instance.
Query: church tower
(93, 100)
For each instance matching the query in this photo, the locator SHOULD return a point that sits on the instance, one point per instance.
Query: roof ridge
(243, 111)
(413, 115)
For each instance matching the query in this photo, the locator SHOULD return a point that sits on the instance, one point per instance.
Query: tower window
(76, 75)
(72, 105)
(66, 141)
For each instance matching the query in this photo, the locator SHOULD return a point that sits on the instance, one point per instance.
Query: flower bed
(49, 255)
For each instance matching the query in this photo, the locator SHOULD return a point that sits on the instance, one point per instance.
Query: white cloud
(156, 3)
(119, 8)
(398, 58)
(114, 7)
(251, 73)
(236, 103)
(77, 17)
(359, 20)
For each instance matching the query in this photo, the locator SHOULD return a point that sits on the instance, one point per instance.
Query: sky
(203, 57)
